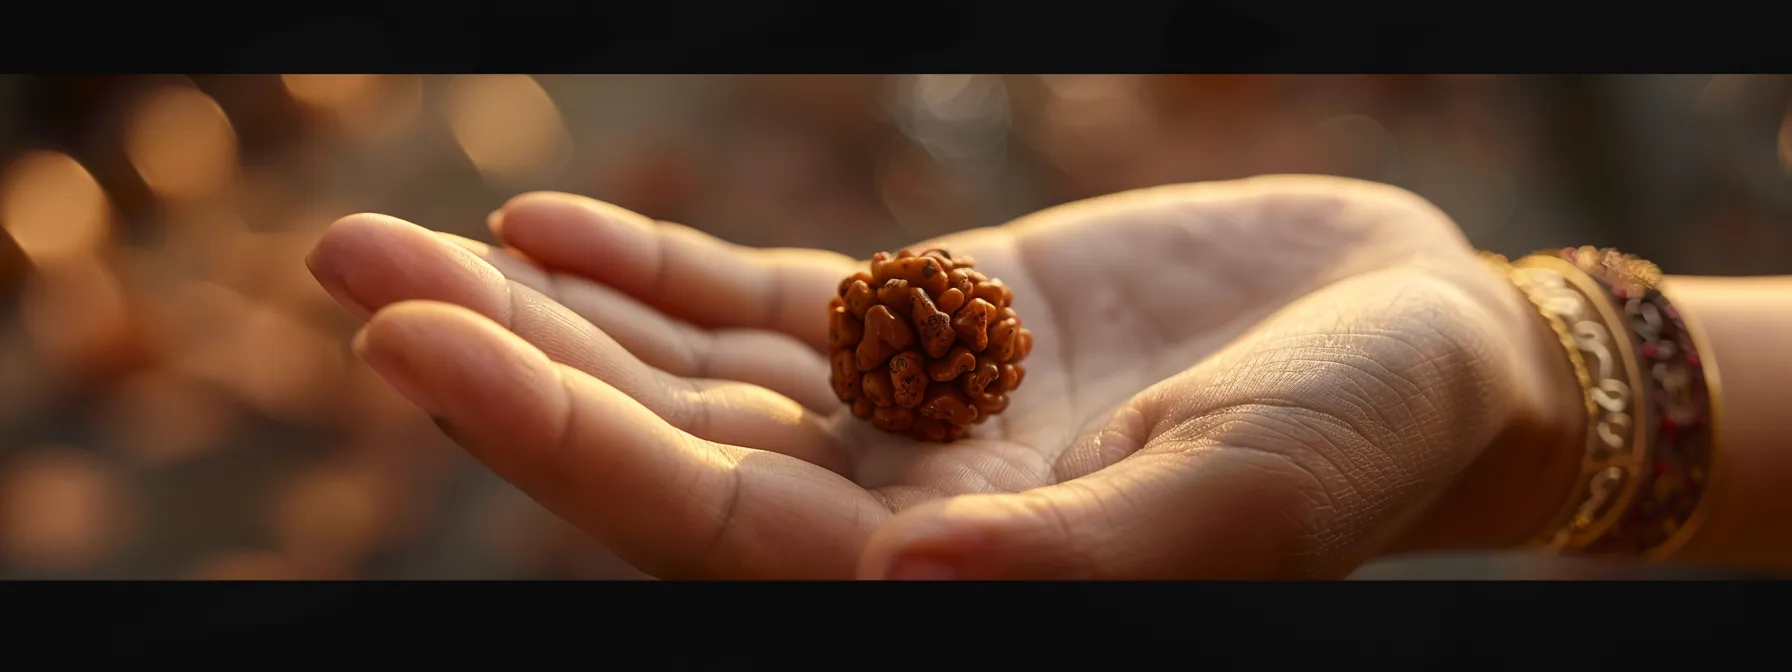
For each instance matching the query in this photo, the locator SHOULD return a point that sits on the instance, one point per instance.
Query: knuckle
(713, 497)
(690, 404)
(728, 507)
(559, 455)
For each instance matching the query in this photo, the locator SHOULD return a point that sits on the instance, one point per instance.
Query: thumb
(1297, 452)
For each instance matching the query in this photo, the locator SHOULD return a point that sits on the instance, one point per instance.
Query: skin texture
(1278, 377)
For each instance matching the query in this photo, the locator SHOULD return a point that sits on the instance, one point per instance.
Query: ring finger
(370, 261)
(770, 359)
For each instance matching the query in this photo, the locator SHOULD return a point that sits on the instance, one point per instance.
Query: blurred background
(177, 399)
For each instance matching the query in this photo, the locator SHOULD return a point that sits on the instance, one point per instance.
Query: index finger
(678, 270)
(670, 503)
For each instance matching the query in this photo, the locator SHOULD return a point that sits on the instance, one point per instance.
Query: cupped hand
(1275, 377)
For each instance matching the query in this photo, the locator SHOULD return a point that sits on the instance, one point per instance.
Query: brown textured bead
(957, 362)
(885, 335)
(895, 294)
(907, 378)
(934, 326)
(845, 376)
(960, 279)
(972, 324)
(893, 418)
(844, 330)
(924, 344)
(945, 402)
(860, 276)
(859, 298)
(952, 300)
(877, 387)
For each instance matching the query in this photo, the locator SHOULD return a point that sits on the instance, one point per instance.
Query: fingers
(1298, 452)
(770, 359)
(371, 261)
(685, 273)
(670, 503)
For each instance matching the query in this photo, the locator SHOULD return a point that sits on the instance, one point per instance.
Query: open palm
(668, 392)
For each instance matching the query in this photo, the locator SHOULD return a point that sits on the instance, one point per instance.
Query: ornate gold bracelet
(1681, 409)
(1576, 307)
(1650, 445)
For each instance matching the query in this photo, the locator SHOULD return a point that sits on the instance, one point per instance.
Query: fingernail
(495, 221)
(396, 373)
(336, 285)
(920, 569)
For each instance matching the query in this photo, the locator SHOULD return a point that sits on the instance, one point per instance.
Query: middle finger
(371, 261)
(770, 359)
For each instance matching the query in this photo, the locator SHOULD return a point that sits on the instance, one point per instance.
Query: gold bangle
(1682, 414)
(1540, 301)
(1591, 329)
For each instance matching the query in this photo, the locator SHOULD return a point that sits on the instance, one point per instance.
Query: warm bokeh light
(159, 417)
(181, 143)
(1094, 124)
(287, 282)
(962, 119)
(1092, 87)
(58, 511)
(1786, 140)
(1359, 146)
(919, 201)
(263, 266)
(279, 364)
(203, 240)
(507, 125)
(246, 566)
(52, 206)
(285, 366)
(330, 91)
(329, 518)
(370, 401)
(395, 110)
(365, 106)
(183, 318)
(222, 429)
(1721, 92)
(77, 317)
(27, 386)
(945, 94)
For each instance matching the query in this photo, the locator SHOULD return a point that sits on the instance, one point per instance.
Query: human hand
(1276, 377)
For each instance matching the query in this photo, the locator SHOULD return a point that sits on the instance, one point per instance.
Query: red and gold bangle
(1652, 401)
(1680, 410)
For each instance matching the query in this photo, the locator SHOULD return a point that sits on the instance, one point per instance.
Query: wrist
(1524, 475)
(1744, 321)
